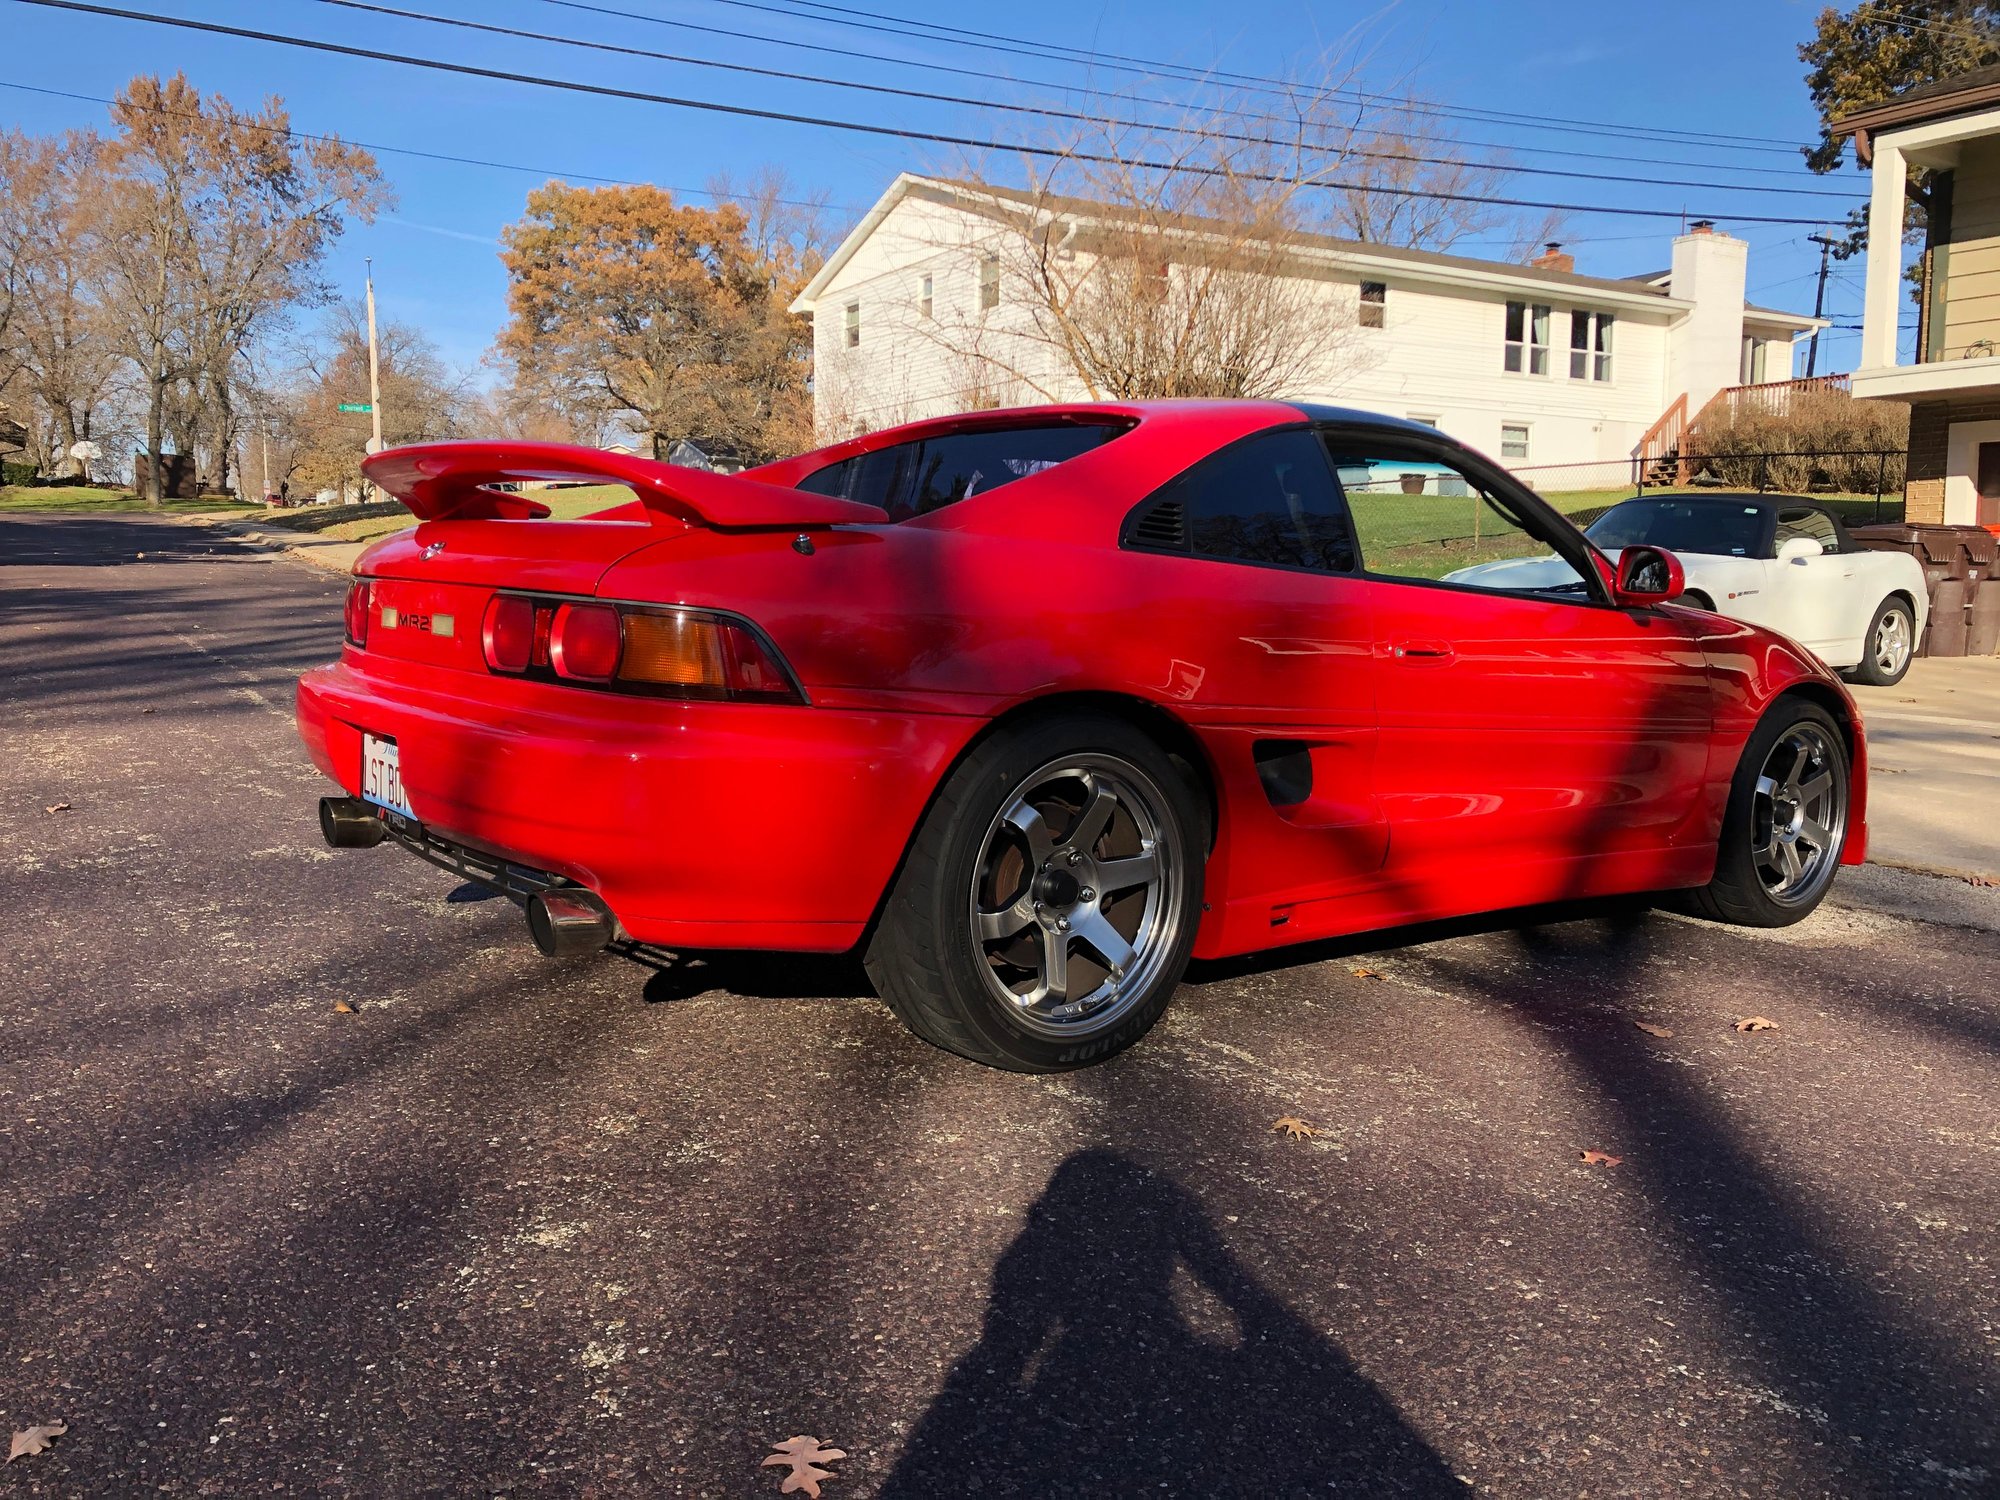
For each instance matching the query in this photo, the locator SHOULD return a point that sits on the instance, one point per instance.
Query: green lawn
(80, 498)
(364, 523)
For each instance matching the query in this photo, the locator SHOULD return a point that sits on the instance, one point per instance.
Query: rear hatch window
(918, 477)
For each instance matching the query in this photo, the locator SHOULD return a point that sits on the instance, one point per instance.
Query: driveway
(1934, 741)
(322, 1181)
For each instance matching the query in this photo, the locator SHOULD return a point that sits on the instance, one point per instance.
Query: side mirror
(1798, 548)
(1648, 575)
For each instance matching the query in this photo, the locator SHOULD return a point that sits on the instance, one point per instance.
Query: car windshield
(1715, 526)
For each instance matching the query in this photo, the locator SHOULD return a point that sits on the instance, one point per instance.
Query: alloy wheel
(1891, 647)
(1798, 815)
(1076, 895)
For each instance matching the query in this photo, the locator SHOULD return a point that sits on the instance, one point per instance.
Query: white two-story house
(918, 313)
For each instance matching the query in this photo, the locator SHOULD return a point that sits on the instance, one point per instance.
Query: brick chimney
(1553, 259)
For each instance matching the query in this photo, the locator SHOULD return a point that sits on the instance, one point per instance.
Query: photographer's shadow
(1125, 1350)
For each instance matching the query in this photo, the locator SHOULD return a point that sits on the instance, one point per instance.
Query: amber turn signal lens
(678, 650)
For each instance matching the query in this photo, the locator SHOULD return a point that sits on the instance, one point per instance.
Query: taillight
(669, 653)
(584, 642)
(701, 655)
(356, 616)
(509, 635)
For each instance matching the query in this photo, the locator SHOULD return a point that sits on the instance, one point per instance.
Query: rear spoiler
(453, 481)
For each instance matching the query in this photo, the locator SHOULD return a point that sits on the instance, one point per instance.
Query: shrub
(1804, 440)
(17, 473)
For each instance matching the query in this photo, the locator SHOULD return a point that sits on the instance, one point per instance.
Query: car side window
(1803, 520)
(1269, 499)
(915, 478)
(1422, 518)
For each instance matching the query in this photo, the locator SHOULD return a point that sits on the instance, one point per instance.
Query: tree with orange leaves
(669, 316)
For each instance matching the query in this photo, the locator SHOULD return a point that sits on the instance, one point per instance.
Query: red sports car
(1033, 706)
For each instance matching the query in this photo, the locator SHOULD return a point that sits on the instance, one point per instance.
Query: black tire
(1696, 599)
(943, 980)
(1743, 892)
(1870, 669)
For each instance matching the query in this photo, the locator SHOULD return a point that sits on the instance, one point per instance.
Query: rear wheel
(1696, 599)
(1049, 901)
(1888, 647)
(1786, 821)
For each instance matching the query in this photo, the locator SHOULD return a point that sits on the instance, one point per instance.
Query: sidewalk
(321, 552)
(1934, 767)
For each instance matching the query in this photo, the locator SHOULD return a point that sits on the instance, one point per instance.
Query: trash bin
(1963, 557)
(1982, 620)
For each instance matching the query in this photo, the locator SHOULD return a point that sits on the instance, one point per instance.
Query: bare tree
(1196, 257)
(218, 220)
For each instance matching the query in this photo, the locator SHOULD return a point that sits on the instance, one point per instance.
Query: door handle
(1425, 651)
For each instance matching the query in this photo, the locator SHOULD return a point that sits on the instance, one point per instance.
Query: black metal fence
(1862, 485)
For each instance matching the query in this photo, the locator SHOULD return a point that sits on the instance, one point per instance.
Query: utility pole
(1826, 244)
(374, 365)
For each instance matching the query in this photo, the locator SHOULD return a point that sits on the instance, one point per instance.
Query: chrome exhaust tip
(568, 920)
(350, 823)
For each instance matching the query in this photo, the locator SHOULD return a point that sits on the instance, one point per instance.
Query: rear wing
(454, 481)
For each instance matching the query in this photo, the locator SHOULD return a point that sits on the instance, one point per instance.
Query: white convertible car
(1774, 560)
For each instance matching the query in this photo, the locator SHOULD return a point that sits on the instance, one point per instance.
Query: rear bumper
(702, 825)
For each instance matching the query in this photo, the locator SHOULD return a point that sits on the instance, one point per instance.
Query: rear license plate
(382, 775)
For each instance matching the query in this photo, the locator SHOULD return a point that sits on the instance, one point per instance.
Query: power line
(859, 127)
(986, 75)
(460, 161)
(1028, 47)
(1336, 151)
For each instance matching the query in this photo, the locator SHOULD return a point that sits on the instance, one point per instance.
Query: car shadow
(757, 976)
(1126, 1350)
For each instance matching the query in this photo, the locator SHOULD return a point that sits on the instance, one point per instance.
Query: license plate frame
(382, 774)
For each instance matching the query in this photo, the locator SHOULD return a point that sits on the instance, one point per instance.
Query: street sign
(355, 406)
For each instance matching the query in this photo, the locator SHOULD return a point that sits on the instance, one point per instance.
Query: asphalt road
(515, 1227)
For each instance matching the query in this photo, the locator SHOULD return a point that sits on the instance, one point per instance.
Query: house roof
(1415, 262)
(1962, 93)
(1649, 291)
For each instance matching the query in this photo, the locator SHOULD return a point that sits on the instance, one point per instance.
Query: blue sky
(1729, 68)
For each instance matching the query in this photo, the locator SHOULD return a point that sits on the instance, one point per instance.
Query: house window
(989, 282)
(1754, 361)
(924, 302)
(1527, 338)
(852, 324)
(1374, 304)
(1589, 345)
(1513, 440)
(1431, 422)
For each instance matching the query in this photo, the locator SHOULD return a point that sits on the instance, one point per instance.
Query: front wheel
(1889, 645)
(1048, 904)
(1785, 823)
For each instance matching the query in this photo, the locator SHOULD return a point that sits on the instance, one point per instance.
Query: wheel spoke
(994, 925)
(1766, 786)
(1106, 941)
(1788, 855)
(1769, 858)
(1124, 874)
(1026, 820)
(1055, 965)
(1811, 791)
(1818, 835)
(1094, 819)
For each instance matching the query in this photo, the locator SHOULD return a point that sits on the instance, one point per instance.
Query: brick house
(1951, 129)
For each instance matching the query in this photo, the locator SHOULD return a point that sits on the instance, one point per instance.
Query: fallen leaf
(342, 1008)
(1756, 1023)
(56, 807)
(34, 1440)
(1368, 974)
(1651, 1030)
(1296, 1128)
(149, 710)
(1982, 881)
(801, 1453)
(1601, 1159)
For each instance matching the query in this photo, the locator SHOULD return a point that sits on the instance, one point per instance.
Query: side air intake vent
(1161, 526)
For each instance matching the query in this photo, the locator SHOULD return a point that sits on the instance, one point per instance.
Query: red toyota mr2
(1033, 706)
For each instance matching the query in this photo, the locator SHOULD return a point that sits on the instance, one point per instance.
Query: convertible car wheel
(1050, 898)
(1786, 822)
(1890, 644)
